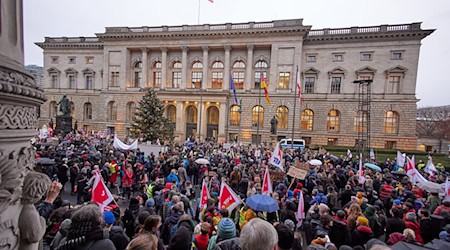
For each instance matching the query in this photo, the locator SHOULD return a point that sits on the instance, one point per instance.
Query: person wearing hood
(374, 222)
(171, 221)
(85, 231)
(182, 239)
(116, 232)
(173, 176)
(362, 233)
(411, 223)
(130, 216)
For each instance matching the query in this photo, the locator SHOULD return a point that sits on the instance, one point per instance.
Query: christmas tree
(149, 122)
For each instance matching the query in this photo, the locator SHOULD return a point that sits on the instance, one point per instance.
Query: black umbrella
(45, 161)
(406, 246)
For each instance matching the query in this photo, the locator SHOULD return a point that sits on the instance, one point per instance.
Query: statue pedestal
(63, 124)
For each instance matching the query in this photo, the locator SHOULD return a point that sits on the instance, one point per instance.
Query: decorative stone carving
(17, 117)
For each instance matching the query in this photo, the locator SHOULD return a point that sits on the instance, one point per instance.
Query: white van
(287, 143)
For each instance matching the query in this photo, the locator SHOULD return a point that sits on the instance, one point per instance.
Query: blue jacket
(172, 177)
(320, 198)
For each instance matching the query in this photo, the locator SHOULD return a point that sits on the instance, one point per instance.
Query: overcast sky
(86, 17)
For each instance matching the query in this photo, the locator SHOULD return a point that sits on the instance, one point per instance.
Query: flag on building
(276, 158)
(204, 196)
(267, 183)
(232, 87)
(228, 198)
(100, 193)
(349, 154)
(372, 154)
(211, 1)
(401, 158)
(264, 86)
(299, 87)
(300, 210)
(361, 178)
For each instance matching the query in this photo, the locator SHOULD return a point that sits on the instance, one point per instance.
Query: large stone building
(190, 66)
(37, 72)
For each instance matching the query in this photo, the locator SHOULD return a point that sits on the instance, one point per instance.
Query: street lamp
(240, 119)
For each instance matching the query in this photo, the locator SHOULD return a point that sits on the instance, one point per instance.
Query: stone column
(163, 67)
(180, 127)
(222, 121)
(249, 68)
(184, 62)
(144, 68)
(226, 71)
(20, 97)
(205, 67)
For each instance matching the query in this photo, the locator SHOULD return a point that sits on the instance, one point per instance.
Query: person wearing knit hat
(227, 229)
(362, 233)
(109, 217)
(290, 224)
(362, 221)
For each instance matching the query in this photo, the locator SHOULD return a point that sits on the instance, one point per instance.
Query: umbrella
(315, 162)
(202, 161)
(45, 161)
(262, 203)
(372, 166)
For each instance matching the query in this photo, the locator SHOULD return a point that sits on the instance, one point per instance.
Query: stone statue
(64, 106)
(273, 125)
(75, 126)
(32, 226)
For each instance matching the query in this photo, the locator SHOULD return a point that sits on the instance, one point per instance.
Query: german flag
(264, 86)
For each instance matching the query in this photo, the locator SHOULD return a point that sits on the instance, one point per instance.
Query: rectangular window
(89, 82)
(309, 85)
(284, 79)
(396, 55)
(72, 60)
(258, 78)
(366, 56)
(55, 59)
(332, 141)
(197, 79)
(338, 57)
(89, 60)
(390, 145)
(137, 79)
(176, 79)
(156, 79)
(336, 85)
(114, 79)
(394, 83)
(310, 58)
(54, 81)
(238, 80)
(217, 78)
(72, 82)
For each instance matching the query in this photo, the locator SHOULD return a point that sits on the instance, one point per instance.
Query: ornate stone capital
(227, 47)
(184, 48)
(205, 48)
(250, 46)
(144, 49)
(163, 49)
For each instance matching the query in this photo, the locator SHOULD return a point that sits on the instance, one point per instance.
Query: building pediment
(53, 70)
(366, 70)
(88, 71)
(337, 71)
(70, 71)
(311, 71)
(396, 70)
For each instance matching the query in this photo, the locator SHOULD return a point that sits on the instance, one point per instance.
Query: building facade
(191, 66)
(38, 74)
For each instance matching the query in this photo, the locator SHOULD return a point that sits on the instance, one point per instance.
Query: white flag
(349, 154)
(361, 178)
(401, 158)
(430, 168)
(276, 158)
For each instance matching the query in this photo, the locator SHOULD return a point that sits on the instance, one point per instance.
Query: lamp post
(201, 108)
(240, 119)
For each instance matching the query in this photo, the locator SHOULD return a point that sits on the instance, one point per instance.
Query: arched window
(137, 75)
(261, 66)
(217, 75)
(255, 111)
(176, 74)
(112, 111)
(157, 74)
(360, 122)
(197, 75)
(131, 109)
(238, 74)
(87, 111)
(171, 113)
(213, 115)
(306, 119)
(282, 117)
(191, 114)
(391, 122)
(52, 109)
(333, 120)
(235, 115)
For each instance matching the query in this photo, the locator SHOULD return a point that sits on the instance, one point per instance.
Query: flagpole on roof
(295, 105)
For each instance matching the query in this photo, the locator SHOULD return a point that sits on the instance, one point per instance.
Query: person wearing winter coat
(395, 224)
(374, 222)
(226, 230)
(171, 221)
(182, 240)
(318, 198)
(411, 223)
(201, 241)
(127, 181)
(116, 231)
(340, 234)
(362, 233)
(288, 212)
(444, 207)
(85, 231)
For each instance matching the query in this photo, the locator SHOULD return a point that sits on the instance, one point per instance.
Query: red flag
(299, 87)
(301, 208)
(211, 1)
(267, 184)
(228, 198)
(411, 169)
(100, 192)
(204, 196)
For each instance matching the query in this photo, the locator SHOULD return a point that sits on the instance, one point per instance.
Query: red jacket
(127, 179)
(201, 241)
(416, 228)
(441, 208)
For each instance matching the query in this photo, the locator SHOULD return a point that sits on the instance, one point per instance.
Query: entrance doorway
(191, 122)
(212, 131)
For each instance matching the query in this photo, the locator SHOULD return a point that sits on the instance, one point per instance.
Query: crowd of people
(161, 192)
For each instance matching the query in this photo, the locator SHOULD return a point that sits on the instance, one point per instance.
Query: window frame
(255, 116)
(309, 86)
(307, 120)
(87, 111)
(284, 80)
(72, 60)
(363, 54)
(394, 122)
(397, 52)
(235, 115)
(333, 120)
(338, 57)
(282, 116)
(335, 87)
(311, 58)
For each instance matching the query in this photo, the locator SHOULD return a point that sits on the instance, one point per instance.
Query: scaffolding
(363, 117)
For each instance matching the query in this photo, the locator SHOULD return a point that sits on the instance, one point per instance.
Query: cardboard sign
(297, 173)
(277, 176)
